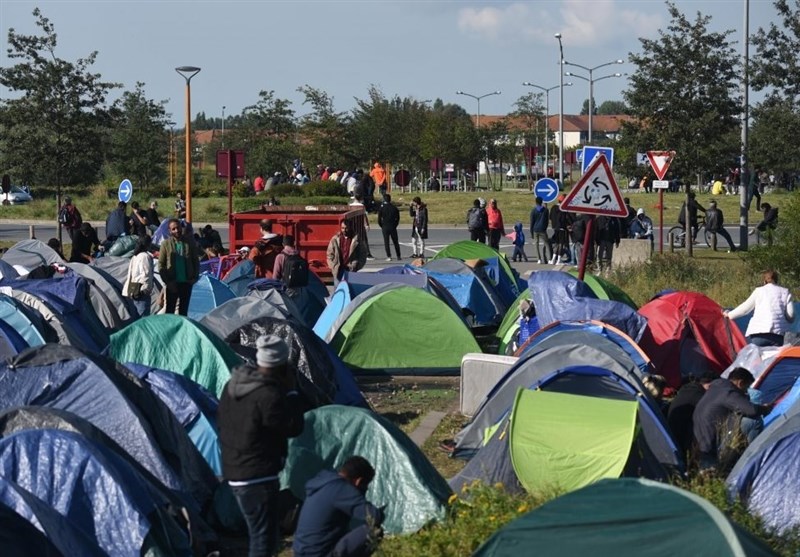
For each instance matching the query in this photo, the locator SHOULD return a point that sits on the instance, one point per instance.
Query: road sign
(641, 159)
(579, 155)
(596, 193)
(125, 190)
(660, 161)
(589, 154)
(660, 184)
(547, 189)
(449, 167)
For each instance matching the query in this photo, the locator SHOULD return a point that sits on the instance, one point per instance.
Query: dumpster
(311, 225)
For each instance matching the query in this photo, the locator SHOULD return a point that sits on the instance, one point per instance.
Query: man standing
(388, 220)
(117, 223)
(153, 220)
(496, 228)
(345, 252)
(179, 267)
(333, 501)
(258, 411)
(715, 223)
(607, 237)
(693, 207)
(540, 218)
(378, 175)
(180, 206)
(476, 222)
(70, 218)
(419, 226)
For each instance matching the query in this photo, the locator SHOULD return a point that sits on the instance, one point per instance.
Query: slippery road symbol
(597, 194)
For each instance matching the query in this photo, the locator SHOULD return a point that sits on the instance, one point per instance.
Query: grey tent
(117, 267)
(280, 300)
(110, 287)
(226, 318)
(31, 254)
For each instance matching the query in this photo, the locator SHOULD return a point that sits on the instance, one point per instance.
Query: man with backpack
(290, 267)
(477, 222)
(70, 218)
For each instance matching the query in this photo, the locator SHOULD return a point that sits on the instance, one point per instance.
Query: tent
(499, 270)
(605, 290)
(765, 476)
(79, 478)
(405, 481)
(508, 331)
(110, 293)
(322, 377)
(625, 518)
(226, 318)
(403, 330)
(781, 373)
(31, 254)
(305, 304)
(240, 275)
(116, 267)
(177, 344)
(687, 335)
(208, 293)
(274, 292)
(558, 296)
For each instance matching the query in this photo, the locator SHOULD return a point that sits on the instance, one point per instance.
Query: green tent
(405, 481)
(176, 344)
(627, 517)
(510, 324)
(403, 330)
(567, 441)
(604, 290)
(467, 249)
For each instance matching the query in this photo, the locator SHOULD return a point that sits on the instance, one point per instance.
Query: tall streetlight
(188, 72)
(546, 117)
(560, 109)
(591, 81)
(478, 120)
(223, 127)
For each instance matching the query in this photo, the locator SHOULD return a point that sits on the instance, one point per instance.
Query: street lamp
(591, 84)
(223, 127)
(188, 72)
(546, 117)
(560, 109)
(478, 120)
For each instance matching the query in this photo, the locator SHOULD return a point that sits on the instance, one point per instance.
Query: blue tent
(240, 275)
(11, 342)
(78, 479)
(339, 300)
(558, 296)
(780, 375)
(208, 293)
(303, 303)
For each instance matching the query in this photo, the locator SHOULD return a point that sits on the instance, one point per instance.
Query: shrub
(285, 190)
(325, 188)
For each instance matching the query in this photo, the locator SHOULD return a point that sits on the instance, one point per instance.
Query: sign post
(125, 191)
(595, 194)
(230, 165)
(660, 161)
(547, 189)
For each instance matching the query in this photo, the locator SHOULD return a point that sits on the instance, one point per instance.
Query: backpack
(64, 216)
(474, 219)
(295, 271)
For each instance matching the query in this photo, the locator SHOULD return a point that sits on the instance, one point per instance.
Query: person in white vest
(773, 312)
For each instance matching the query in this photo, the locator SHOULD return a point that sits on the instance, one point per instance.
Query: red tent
(687, 334)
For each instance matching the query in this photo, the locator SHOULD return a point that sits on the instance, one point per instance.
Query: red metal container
(311, 225)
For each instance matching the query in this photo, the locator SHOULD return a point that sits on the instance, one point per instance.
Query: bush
(285, 190)
(325, 188)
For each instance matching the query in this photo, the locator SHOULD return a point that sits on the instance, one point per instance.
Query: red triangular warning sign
(660, 161)
(596, 193)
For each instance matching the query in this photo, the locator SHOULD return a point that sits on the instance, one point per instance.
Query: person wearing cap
(72, 219)
(258, 412)
(715, 223)
(642, 226)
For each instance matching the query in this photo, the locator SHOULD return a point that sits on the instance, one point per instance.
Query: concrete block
(631, 252)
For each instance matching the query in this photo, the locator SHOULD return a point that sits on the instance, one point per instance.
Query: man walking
(715, 223)
(388, 220)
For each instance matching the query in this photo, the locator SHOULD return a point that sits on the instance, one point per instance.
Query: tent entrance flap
(566, 441)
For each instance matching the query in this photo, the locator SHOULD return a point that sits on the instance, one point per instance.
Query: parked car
(16, 195)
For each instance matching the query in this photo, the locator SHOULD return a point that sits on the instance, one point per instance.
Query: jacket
(140, 270)
(331, 503)
(117, 224)
(495, 218)
(540, 218)
(420, 222)
(721, 400)
(166, 260)
(772, 307)
(256, 416)
(357, 259)
(714, 219)
(388, 216)
(280, 261)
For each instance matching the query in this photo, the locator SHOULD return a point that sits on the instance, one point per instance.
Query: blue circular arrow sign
(547, 189)
(125, 190)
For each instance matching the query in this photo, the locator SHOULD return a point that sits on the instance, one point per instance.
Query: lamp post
(546, 117)
(478, 120)
(560, 109)
(188, 72)
(744, 173)
(591, 81)
(223, 127)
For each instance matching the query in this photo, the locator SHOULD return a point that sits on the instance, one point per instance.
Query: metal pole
(223, 127)
(591, 108)
(560, 109)
(546, 131)
(478, 182)
(743, 162)
(188, 72)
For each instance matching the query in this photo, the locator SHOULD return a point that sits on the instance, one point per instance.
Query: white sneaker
(538, 261)
(388, 259)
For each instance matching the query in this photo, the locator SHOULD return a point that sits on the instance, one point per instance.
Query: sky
(424, 49)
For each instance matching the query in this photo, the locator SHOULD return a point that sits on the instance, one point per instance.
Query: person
(723, 399)
(607, 237)
(694, 207)
(419, 226)
(485, 216)
(85, 244)
(773, 312)
(333, 502)
(265, 250)
(345, 252)
(496, 228)
(519, 244)
(153, 220)
(388, 220)
(477, 222)
(363, 230)
(578, 234)
(139, 283)
(681, 410)
(258, 184)
(642, 227)
(70, 218)
(139, 221)
(768, 223)
(715, 223)
(210, 238)
(753, 189)
(180, 206)
(378, 175)
(117, 223)
(258, 412)
(179, 267)
(288, 250)
(560, 222)
(55, 245)
(625, 228)
(539, 218)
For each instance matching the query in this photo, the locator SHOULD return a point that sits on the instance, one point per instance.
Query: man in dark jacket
(540, 219)
(681, 410)
(332, 502)
(388, 220)
(607, 237)
(117, 223)
(477, 222)
(723, 399)
(258, 411)
(694, 206)
(715, 223)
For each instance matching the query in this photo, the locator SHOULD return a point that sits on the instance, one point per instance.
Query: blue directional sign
(579, 155)
(547, 189)
(125, 190)
(589, 153)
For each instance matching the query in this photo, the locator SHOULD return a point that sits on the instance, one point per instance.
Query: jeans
(494, 238)
(180, 293)
(391, 233)
(142, 305)
(541, 239)
(765, 339)
(418, 243)
(259, 505)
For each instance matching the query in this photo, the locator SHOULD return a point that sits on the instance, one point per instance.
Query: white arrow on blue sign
(589, 154)
(546, 188)
(125, 190)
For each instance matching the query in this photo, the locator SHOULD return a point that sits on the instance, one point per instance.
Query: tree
(684, 97)
(612, 108)
(138, 138)
(450, 135)
(585, 107)
(323, 130)
(53, 131)
(530, 112)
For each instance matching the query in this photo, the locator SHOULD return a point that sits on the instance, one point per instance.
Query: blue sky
(425, 49)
